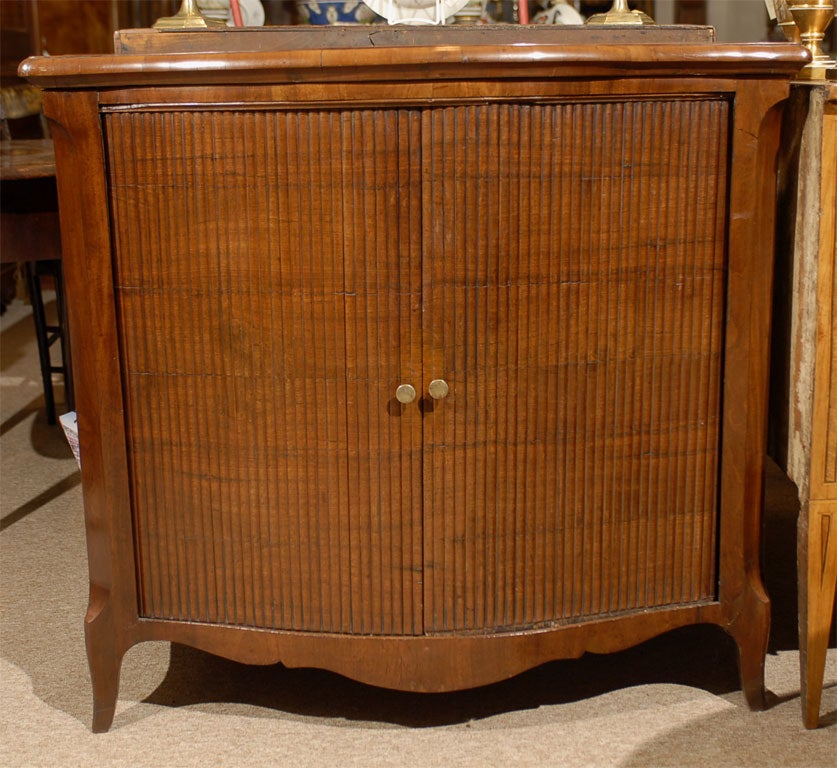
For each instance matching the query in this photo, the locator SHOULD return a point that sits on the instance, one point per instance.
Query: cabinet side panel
(262, 341)
(574, 280)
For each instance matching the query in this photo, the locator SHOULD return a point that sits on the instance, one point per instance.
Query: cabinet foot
(751, 631)
(103, 715)
(752, 682)
(104, 657)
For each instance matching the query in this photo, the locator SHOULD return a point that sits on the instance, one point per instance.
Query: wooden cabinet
(564, 250)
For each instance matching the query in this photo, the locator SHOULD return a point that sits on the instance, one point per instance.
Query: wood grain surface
(263, 247)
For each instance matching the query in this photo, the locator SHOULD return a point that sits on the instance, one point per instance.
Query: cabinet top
(444, 53)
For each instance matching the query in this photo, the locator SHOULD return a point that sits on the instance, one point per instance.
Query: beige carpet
(673, 701)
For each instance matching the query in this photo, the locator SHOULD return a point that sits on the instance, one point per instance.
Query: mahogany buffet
(424, 363)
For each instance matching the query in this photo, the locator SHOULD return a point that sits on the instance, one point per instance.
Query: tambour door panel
(574, 300)
(268, 305)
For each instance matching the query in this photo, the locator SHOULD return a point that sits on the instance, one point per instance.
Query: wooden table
(26, 159)
(29, 217)
(30, 233)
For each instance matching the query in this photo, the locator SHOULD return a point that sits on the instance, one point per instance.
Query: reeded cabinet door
(268, 304)
(573, 288)
(271, 300)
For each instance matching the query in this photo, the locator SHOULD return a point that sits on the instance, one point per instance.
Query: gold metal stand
(811, 19)
(188, 17)
(620, 13)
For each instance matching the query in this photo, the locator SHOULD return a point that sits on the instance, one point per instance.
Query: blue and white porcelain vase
(333, 12)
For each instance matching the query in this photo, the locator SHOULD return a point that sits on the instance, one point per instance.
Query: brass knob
(438, 389)
(405, 393)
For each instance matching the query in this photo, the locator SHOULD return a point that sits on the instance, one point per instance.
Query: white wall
(664, 11)
(735, 21)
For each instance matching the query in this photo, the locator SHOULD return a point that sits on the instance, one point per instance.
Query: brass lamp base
(811, 18)
(188, 17)
(621, 17)
(620, 13)
(818, 70)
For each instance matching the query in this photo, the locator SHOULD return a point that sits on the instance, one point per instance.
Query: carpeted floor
(673, 701)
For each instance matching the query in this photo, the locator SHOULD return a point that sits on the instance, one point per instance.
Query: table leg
(817, 580)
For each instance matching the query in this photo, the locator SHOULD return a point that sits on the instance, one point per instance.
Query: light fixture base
(188, 17)
(620, 13)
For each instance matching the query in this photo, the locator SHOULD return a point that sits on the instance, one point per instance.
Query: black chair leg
(63, 330)
(47, 334)
(33, 282)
